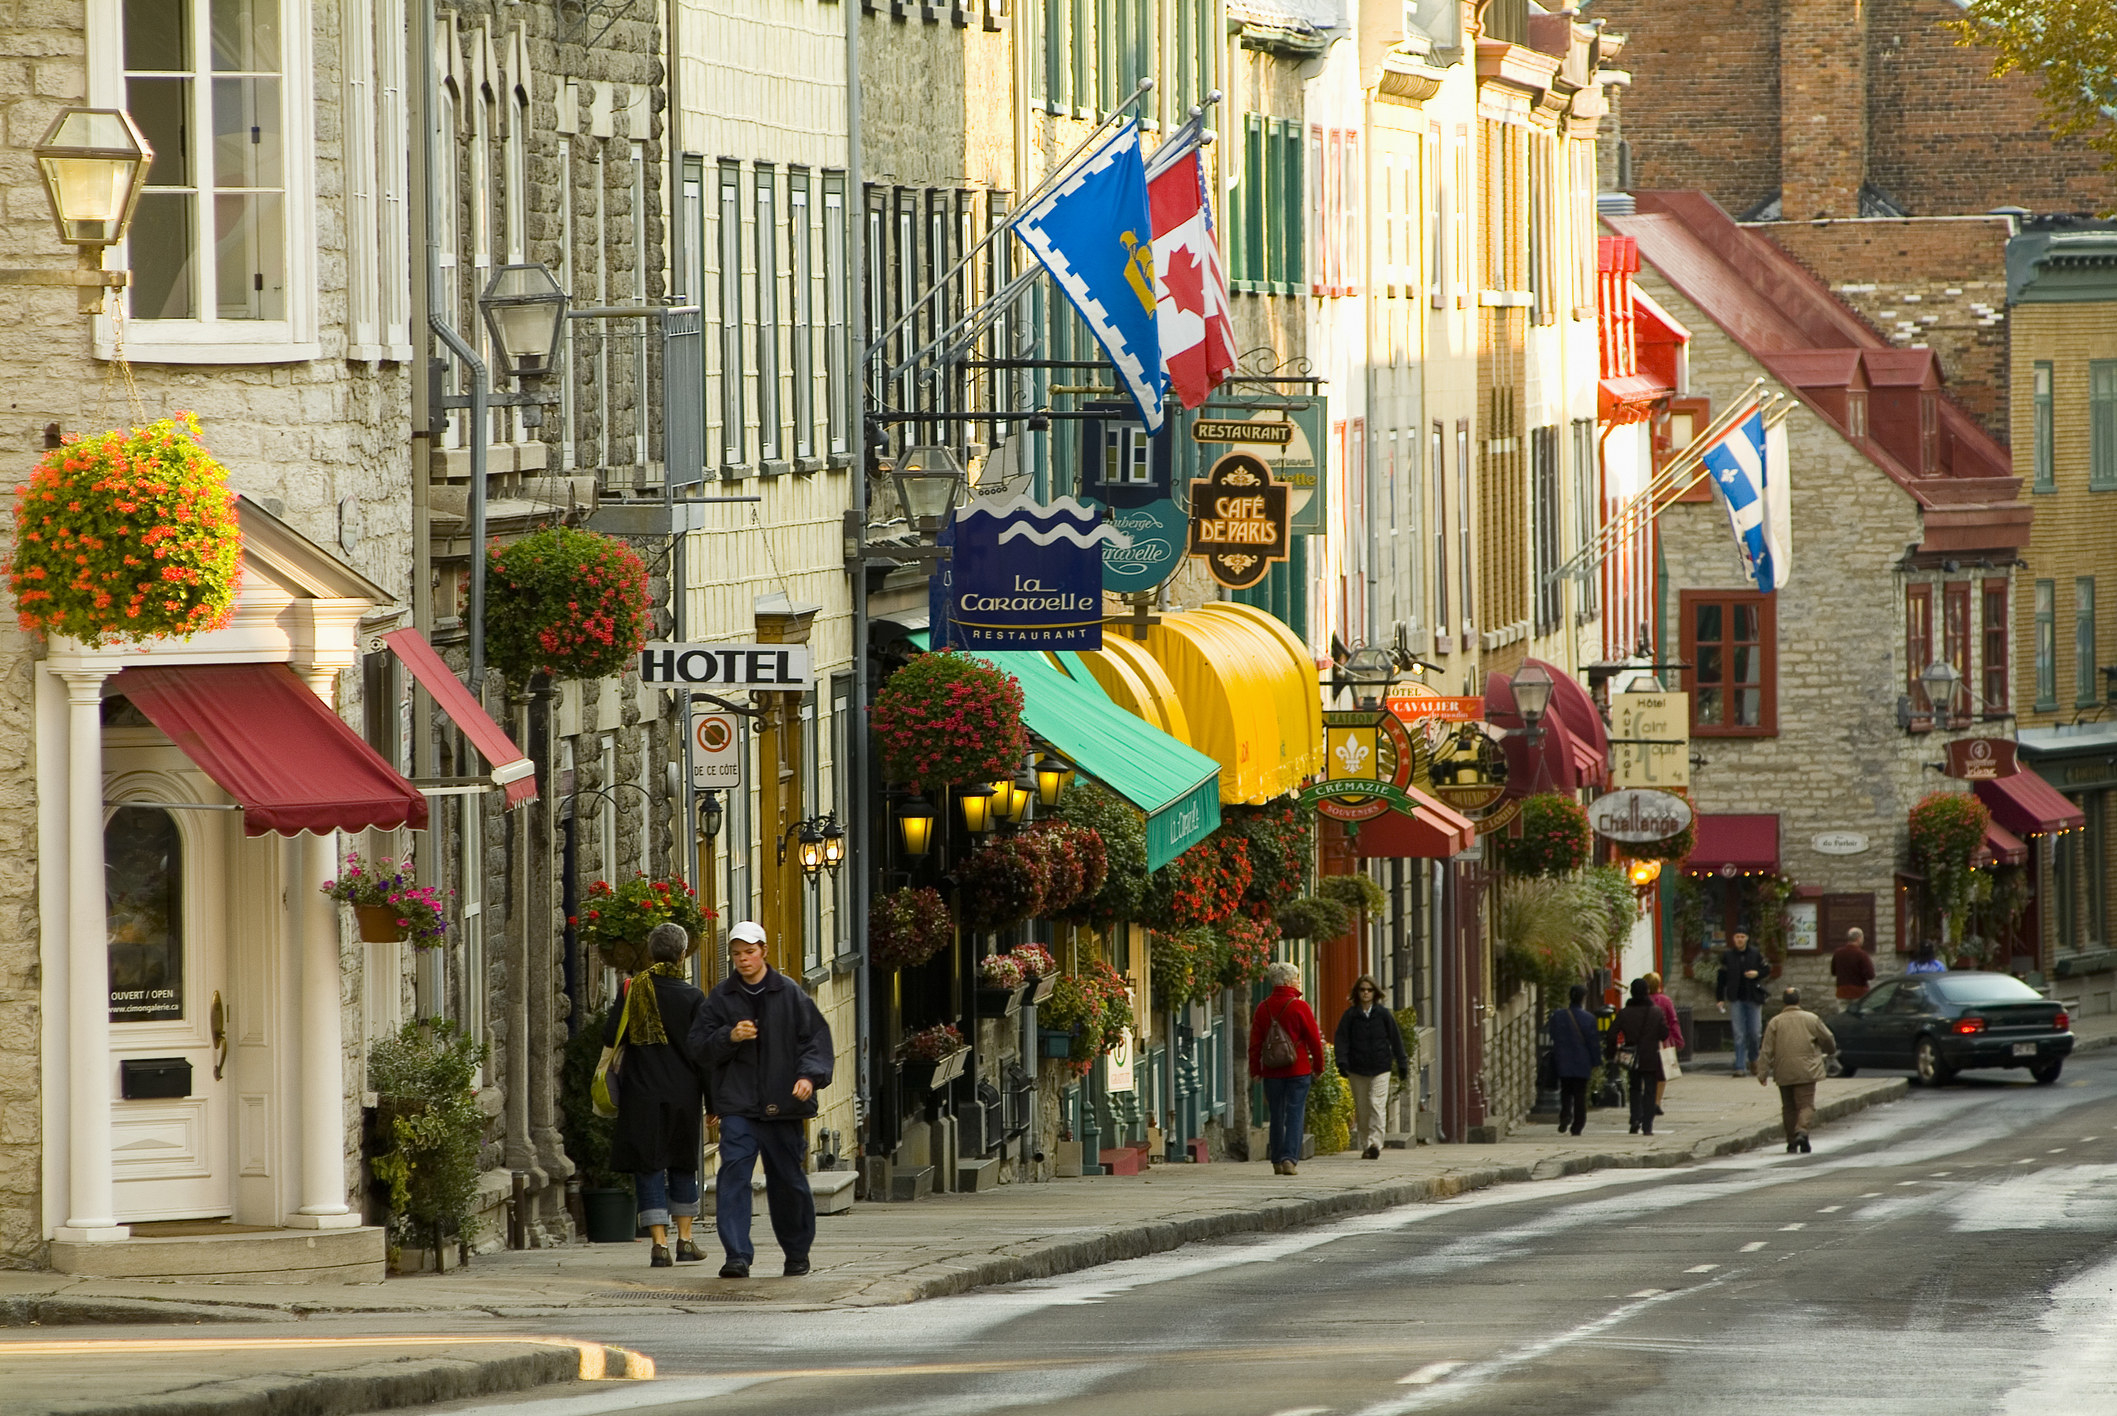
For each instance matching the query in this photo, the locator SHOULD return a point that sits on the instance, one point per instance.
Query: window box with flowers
(565, 602)
(1039, 970)
(1093, 1009)
(615, 920)
(933, 1057)
(1000, 981)
(390, 905)
(126, 537)
(948, 718)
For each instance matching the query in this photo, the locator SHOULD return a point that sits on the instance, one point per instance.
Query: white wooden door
(165, 863)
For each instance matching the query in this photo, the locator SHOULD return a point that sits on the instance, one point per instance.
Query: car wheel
(2048, 1073)
(1932, 1070)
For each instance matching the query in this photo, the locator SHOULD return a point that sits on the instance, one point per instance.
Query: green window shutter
(1274, 205)
(1292, 211)
(1249, 222)
(2102, 425)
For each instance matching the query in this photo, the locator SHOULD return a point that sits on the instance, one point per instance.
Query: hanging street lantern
(1053, 775)
(977, 804)
(525, 311)
(94, 162)
(915, 827)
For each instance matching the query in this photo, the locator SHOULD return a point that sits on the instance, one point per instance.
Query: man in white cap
(769, 1052)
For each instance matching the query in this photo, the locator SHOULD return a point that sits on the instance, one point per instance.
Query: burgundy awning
(291, 763)
(1591, 740)
(1431, 831)
(511, 768)
(2029, 806)
(1739, 844)
(1556, 762)
(2001, 846)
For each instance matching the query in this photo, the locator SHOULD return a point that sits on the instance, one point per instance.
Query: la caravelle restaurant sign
(1023, 576)
(1239, 520)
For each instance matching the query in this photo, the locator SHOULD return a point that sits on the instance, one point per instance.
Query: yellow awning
(1249, 702)
(1128, 673)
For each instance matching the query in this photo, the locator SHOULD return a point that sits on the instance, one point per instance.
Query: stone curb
(1070, 1255)
(59, 1310)
(374, 1386)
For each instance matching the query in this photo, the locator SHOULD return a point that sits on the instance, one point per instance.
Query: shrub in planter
(1946, 830)
(948, 718)
(587, 1136)
(907, 927)
(1554, 840)
(1004, 882)
(390, 904)
(125, 537)
(423, 1077)
(1539, 938)
(565, 602)
(1330, 1107)
(932, 1044)
(616, 919)
(1121, 833)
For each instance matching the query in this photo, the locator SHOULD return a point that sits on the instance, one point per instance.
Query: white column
(321, 1124)
(90, 1206)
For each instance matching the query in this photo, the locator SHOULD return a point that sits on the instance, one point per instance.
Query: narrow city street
(1954, 1252)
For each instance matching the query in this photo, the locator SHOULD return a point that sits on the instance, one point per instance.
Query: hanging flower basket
(126, 537)
(1120, 831)
(615, 920)
(565, 602)
(1004, 882)
(1555, 837)
(1203, 886)
(388, 903)
(1946, 830)
(905, 928)
(948, 718)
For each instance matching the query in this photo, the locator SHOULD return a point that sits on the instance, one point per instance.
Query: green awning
(1176, 787)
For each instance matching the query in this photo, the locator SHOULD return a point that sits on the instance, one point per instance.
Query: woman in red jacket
(1286, 1051)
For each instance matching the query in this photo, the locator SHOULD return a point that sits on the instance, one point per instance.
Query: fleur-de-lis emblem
(1352, 754)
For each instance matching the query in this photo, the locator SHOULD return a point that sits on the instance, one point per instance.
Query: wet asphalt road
(1954, 1252)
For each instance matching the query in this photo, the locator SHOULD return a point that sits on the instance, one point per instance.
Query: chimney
(1822, 107)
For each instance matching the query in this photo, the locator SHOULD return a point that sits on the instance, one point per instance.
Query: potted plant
(126, 537)
(948, 718)
(933, 1057)
(907, 927)
(1203, 886)
(565, 602)
(1000, 981)
(428, 1130)
(1039, 969)
(1004, 882)
(1555, 837)
(388, 904)
(1121, 832)
(607, 1206)
(616, 919)
(1946, 830)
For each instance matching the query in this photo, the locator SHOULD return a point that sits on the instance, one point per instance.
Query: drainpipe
(861, 846)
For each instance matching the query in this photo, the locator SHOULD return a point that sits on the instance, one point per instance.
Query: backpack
(1278, 1052)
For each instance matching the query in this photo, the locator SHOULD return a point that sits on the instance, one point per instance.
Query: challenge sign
(1638, 816)
(1238, 520)
(1025, 576)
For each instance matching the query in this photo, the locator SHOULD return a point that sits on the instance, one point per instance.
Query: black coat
(1371, 1044)
(1573, 1042)
(661, 1099)
(756, 1078)
(1641, 1027)
(1733, 987)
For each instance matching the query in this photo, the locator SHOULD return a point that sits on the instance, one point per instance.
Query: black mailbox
(154, 1078)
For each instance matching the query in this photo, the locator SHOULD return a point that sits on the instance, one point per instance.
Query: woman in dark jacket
(1640, 1027)
(661, 1099)
(1286, 1084)
(1370, 1047)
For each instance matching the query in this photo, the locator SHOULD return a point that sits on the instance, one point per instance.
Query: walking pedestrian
(661, 1099)
(1743, 978)
(1286, 1052)
(1572, 1030)
(1370, 1049)
(1667, 1008)
(1792, 1054)
(1634, 1043)
(1924, 960)
(769, 1051)
(1852, 966)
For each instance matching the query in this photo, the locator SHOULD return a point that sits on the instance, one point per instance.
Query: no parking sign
(716, 750)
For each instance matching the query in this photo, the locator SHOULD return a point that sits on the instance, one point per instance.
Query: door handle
(217, 1018)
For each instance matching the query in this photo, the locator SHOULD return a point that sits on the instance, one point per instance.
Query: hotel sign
(783, 668)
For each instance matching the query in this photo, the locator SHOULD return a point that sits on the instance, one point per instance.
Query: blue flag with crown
(1093, 233)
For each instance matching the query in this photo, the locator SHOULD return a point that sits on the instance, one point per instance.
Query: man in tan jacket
(1795, 1044)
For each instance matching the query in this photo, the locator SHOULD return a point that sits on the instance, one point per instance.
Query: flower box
(999, 1002)
(378, 924)
(1058, 1046)
(1041, 988)
(932, 1076)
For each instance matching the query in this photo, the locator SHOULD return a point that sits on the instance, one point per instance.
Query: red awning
(1431, 831)
(2001, 846)
(271, 744)
(1628, 398)
(1558, 761)
(1746, 844)
(1591, 740)
(2029, 806)
(511, 768)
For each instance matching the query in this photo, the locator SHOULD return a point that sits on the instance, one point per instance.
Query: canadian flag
(1190, 284)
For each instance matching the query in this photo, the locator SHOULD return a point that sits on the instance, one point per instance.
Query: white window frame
(208, 340)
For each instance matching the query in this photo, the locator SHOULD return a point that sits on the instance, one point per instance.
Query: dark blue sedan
(1938, 1024)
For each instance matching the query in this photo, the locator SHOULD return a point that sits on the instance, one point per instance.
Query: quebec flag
(1094, 234)
(1749, 465)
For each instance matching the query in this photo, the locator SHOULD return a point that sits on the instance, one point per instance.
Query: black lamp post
(1532, 696)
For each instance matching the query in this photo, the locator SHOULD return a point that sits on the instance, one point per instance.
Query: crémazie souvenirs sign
(1370, 762)
(1023, 576)
(1239, 520)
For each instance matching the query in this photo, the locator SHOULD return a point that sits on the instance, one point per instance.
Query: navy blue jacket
(756, 1078)
(1577, 1044)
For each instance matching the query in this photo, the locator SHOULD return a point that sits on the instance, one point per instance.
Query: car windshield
(1983, 988)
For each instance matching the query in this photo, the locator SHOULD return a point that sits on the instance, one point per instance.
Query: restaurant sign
(1980, 759)
(1238, 520)
(1024, 576)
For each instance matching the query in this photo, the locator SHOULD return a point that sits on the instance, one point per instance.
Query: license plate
(2024, 1049)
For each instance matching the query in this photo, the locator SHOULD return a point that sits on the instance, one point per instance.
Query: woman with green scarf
(661, 1100)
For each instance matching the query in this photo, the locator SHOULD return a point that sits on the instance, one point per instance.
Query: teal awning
(1176, 787)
